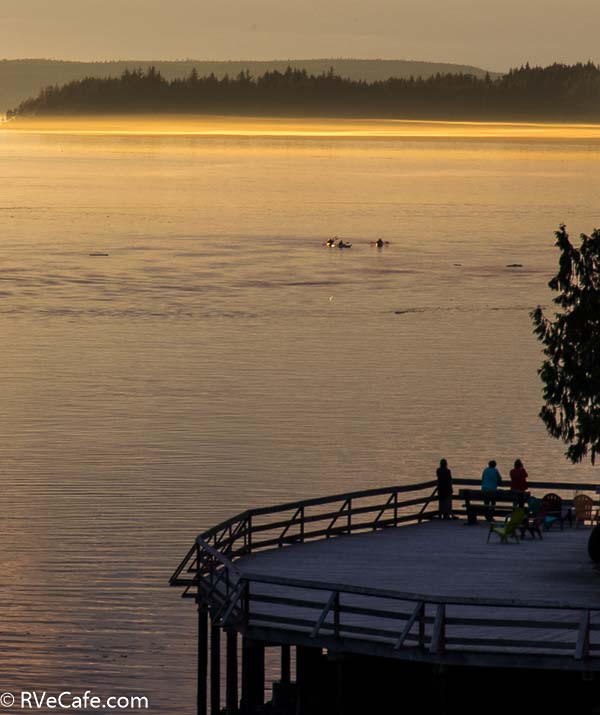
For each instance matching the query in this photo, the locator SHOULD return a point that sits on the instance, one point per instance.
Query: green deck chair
(510, 526)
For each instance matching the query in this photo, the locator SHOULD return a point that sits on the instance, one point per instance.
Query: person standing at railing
(518, 481)
(490, 481)
(444, 480)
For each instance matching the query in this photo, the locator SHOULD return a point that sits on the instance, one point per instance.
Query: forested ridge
(556, 92)
(20, 79)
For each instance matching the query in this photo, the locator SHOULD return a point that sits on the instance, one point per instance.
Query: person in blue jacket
(490, 481)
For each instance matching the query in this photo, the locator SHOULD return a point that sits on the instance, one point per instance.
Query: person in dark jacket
(518, 481)
(444, 480)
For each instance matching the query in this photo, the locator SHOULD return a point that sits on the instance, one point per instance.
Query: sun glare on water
(295, 127)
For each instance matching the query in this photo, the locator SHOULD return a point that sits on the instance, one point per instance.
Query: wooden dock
(375, 574)
(448, 563)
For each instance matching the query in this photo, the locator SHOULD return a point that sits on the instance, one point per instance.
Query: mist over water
(220, 357)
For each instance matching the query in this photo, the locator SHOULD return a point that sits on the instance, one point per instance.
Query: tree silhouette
(571, 338)
(556, 92)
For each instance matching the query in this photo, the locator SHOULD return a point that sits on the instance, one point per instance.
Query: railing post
(249, 534)
(345, 508)
(291, 523)
(422, 626)
(425, 505)
(329, 604)
(247, 602)
(211, 573)
(438, 637)
(302, 525)
(582, 649)
(336, 615)
(395, 508)
(416, 615)
(349, 516)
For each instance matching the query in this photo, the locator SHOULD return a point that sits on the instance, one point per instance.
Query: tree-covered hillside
(557, 92)
(20, 79)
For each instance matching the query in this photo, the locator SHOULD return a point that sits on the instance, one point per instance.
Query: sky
(493, 35)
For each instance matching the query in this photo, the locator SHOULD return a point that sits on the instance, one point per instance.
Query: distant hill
(554, 93)
(20, 79)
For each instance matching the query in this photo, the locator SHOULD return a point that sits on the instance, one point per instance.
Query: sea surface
(220, 357)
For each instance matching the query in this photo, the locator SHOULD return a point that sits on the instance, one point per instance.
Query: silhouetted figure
(380, 243)
(518, 481)
(490, 481)
(444, 480)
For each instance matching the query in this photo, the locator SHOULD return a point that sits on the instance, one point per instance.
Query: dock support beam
(201, 691)
(310, 667)
(231, 695)
(339, 687)
(215, 670)
(284, 691)
(253, 676)
(286, 670)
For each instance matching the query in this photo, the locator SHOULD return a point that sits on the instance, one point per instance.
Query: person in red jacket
(518, 480)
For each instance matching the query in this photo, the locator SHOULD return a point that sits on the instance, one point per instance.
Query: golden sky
(491, 34)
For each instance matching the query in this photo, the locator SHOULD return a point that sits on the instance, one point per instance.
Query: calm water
(220, 357)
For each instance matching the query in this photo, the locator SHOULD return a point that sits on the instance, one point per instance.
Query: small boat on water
(331, 243)
(380, 243)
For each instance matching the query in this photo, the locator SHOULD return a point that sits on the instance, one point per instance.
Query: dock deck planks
(444, 558)
(447, 560)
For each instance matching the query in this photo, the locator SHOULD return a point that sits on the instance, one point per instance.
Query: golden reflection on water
(178, 125)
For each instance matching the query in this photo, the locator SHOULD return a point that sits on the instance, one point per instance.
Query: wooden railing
(301, 521)
(430, 624)
(370, 619)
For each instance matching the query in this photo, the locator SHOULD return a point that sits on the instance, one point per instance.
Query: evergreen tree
(557, 92)
(571, 338)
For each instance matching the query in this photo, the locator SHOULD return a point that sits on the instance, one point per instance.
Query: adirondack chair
(583, 509)
(510, 527)
(555, 511)
(534, 521)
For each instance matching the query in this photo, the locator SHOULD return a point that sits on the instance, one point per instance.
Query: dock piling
(253, 676)
(201, 692)
(231, 688)
(310, 671)
(285, 665)
(215, 669)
